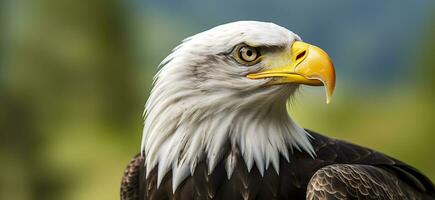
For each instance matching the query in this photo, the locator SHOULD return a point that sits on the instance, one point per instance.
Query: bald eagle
(217, 127)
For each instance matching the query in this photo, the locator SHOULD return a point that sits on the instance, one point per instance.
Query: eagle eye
(247, 55)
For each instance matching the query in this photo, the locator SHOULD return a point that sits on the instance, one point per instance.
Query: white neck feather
(179, 135)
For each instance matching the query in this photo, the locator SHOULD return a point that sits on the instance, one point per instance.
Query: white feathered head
(229, 85)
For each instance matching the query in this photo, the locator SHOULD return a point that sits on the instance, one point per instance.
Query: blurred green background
(74, 76)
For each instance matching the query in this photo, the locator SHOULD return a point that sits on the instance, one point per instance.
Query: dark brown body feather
(339, 171)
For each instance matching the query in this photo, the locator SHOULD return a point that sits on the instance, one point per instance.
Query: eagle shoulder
(130, 182)
(349, 170)
(353, 181)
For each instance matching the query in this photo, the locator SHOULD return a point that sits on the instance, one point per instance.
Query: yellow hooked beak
(305, 64)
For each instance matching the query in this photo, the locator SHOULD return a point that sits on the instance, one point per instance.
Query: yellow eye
(247, 54)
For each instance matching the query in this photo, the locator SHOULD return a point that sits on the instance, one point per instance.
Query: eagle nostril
(301, 55)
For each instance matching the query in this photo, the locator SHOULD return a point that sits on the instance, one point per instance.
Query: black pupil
(249, 53)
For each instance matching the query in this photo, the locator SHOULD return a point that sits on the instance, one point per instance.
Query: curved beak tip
(318, 65)
(329, 89)
(328, 98)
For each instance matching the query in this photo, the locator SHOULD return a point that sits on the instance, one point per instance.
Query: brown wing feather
(130, 181)
(346, 153)
(345, 181)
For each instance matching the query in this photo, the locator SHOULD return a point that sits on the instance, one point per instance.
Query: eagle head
(226, 89)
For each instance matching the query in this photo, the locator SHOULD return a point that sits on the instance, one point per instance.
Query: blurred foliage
(70, 101)
(74, 76)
